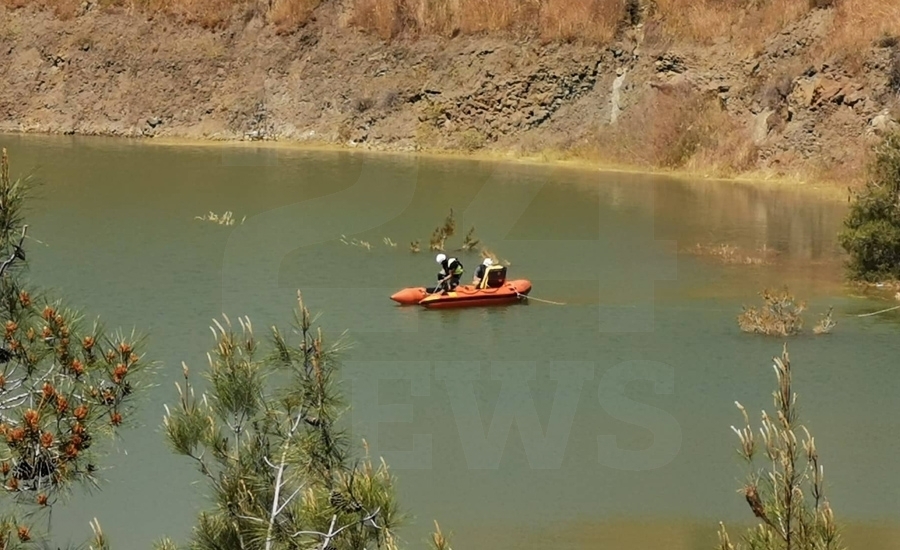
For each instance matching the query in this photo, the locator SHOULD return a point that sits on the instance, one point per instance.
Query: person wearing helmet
(451, 271)
(479, 273)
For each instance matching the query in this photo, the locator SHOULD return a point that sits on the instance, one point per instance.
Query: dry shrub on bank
(592, 21)
(285, 15)
(674, 127)
(701, 21)
(860, 24)
(659, 130)
(727, 148)
(209, 14)
(63, 9)
(746, 22)
(289, 15)
(474, 16)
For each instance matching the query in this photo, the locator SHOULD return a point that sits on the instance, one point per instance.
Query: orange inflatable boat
(493, 290)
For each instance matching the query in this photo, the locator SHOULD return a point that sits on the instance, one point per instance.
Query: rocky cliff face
(115, 73)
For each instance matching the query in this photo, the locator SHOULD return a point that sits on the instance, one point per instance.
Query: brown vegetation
(731, 254)
(593, 21)
(858, 24)
(64, 9)
(780, 315)
(676, 127)
(284, 15)
(288, 15)
(704, 21)
(442, 232)
(825, 324)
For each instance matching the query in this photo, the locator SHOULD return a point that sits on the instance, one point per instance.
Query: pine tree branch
(332, 533)
(204, 469)
(17, 400)
(289, 499)
(276, 507)
(16, 253)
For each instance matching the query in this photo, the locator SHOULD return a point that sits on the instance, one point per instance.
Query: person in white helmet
(479, 273)
(451, 271)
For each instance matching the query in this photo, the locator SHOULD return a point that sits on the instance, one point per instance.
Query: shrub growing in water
(780, 315)
(871, 233)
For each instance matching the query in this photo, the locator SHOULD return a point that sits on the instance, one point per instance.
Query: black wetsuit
(449, 266)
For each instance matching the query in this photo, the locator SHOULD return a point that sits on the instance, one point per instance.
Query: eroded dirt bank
(711, 108)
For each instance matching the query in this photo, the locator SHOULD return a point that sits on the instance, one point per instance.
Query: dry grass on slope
(285, 15)
(594, 21)
(858, 24)
(675, 128)
(744, 23)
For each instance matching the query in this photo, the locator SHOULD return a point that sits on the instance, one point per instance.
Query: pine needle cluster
(265, 436)
(64, 384)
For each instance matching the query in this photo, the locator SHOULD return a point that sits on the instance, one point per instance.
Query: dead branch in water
(825, 324)
(780, 315)
(441, 233)
(470, 242)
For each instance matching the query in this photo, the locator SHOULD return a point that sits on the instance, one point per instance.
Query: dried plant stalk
(470, 242)
(441, 234)
(787, 495)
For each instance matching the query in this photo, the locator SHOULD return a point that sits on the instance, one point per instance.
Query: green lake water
(623, 396)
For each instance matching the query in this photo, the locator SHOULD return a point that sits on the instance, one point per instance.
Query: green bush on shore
(871, 233)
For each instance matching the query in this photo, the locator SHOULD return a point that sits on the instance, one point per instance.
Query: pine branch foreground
(63, 384)
(787, 496)
(264, 436)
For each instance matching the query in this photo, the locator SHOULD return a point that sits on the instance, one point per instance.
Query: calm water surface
(623, 397)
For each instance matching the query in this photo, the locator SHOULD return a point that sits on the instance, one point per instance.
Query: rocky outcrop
(500, 107)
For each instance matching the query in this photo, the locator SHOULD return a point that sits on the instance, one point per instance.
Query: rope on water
(520, 295)
(877, 312)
